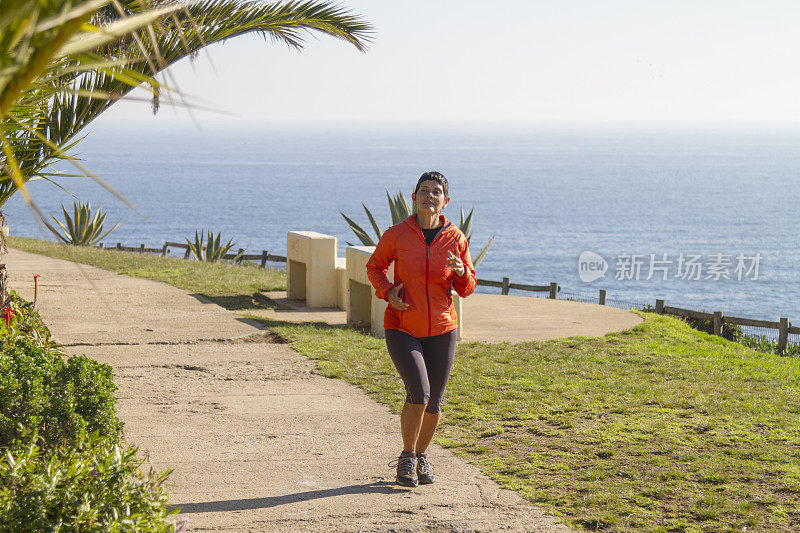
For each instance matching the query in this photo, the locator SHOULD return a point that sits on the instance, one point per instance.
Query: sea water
(713, 209)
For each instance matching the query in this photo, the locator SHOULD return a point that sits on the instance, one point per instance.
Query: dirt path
(258, 440)
(491, 317)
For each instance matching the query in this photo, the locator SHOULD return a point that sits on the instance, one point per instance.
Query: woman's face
(430, 197)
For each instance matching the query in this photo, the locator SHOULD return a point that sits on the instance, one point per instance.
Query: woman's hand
(455, 264)
(394, 297)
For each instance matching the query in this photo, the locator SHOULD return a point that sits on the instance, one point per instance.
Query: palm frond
(60, 69)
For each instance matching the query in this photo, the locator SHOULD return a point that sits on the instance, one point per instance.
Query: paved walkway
(491, 317)
(258, 440)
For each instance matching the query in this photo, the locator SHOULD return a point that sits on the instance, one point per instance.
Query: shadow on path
(239, 302)
(379, 487)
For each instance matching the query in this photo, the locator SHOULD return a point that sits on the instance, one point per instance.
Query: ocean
(711, 209)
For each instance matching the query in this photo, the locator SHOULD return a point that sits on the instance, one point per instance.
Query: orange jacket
(425, 276)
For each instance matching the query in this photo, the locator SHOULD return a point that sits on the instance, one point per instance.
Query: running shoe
(406, 469)
(424, 470)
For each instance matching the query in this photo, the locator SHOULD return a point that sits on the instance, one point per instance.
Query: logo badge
(591, 266)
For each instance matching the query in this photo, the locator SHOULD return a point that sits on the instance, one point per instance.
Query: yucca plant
(83, 229)
(209, 249)
(399, 211)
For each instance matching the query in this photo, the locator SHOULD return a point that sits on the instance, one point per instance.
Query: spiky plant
(399, 211)
(83, 228)
(209, 249)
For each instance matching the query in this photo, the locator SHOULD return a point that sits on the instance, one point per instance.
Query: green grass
(657, 428)
(222, 281)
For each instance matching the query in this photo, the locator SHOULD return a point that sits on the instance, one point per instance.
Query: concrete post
(363, 307)
(311, 268)
(457, 301)
(341, 283)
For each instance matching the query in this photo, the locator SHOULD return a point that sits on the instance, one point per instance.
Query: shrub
(763, 343)
(731, 332)
(61, 467)
(83, 228)
(62, 398)
(93, 485)
(26, 321)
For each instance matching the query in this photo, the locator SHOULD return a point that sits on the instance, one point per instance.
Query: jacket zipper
(427, 261)
(427, 293)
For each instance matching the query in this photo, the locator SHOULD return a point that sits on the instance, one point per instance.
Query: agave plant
(399, 210)
(83, 229)
(210, 249)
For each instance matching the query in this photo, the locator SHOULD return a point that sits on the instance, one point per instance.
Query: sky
(516, 61)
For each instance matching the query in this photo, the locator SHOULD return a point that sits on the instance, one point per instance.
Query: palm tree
(71, 92)
(43, 45)
(64, 62)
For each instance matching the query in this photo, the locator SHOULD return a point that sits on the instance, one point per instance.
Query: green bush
(91, 486)
(25, 321)
(61, 398)
(731, 332)
(763, 343)
(61, 468)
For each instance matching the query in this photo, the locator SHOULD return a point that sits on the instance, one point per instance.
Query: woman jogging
(430, 256)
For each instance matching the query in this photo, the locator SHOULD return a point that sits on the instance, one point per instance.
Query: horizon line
(445, 124)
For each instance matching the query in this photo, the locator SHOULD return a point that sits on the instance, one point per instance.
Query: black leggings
(424, 363)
